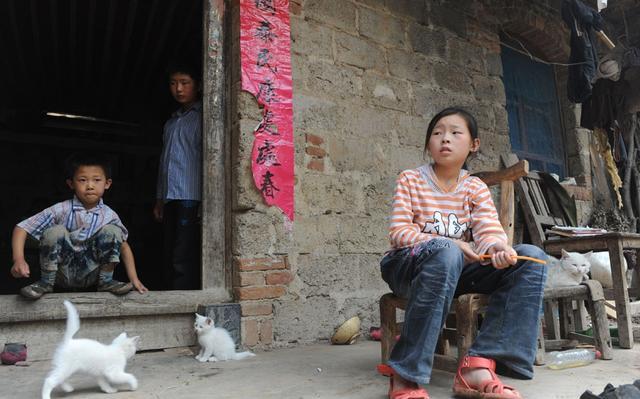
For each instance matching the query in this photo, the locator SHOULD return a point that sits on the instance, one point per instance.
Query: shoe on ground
(116, 287)
(36, 290)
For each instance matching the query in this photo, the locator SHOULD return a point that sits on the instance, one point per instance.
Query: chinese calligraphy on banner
(266, 73)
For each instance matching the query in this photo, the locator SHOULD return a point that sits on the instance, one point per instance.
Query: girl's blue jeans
(431, 274)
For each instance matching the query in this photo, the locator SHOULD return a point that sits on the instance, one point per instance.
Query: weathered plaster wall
(368, 76)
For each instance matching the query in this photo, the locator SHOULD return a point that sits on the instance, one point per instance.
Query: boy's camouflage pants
(78, 265)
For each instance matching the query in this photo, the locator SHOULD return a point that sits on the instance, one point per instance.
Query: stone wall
(368, 75)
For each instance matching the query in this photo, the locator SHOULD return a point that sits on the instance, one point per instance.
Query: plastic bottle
(571, 358)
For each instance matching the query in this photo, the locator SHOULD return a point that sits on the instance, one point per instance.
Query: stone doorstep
(14, 308)
(161, 319)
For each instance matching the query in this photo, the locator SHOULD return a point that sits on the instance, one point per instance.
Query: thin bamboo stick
(487, 256)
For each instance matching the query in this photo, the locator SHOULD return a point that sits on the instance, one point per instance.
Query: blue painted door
(532, 106)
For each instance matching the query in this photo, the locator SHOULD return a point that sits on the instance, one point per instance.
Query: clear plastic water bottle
(571, 358)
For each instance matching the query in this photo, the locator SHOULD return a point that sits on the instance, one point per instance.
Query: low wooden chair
(462, 324)
(540, 214)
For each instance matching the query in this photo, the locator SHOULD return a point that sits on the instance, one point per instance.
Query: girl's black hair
(472, 125)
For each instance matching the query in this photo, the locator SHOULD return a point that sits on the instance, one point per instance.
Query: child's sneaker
(115, 287)
(36, 290)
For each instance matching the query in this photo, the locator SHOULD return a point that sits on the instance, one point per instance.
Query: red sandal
(488, 389)
(406, 393)
(384, 370)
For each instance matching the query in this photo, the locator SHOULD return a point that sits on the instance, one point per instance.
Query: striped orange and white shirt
(422, 210)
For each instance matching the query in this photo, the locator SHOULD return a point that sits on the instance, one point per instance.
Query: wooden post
(214, 226)
(620, 293)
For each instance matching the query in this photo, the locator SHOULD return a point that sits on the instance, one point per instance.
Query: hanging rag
(631, 57)
(632, 89)
(604, 149)
(583, 21)
(606, 104)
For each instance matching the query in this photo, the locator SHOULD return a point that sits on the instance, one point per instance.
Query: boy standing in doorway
(81, 239)
(179, 188)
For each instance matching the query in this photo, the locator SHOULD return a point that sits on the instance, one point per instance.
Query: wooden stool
(562, 331)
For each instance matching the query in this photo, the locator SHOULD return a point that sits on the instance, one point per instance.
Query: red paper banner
(266, 73)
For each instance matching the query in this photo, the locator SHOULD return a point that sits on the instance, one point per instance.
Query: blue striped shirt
(81, 223)
(180, 172)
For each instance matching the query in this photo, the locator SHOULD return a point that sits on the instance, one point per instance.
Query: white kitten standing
(215, 342)
(106, 362)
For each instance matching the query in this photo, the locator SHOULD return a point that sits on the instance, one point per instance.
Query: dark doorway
(88, 75)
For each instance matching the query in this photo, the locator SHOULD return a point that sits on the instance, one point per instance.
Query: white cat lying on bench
(573, 268)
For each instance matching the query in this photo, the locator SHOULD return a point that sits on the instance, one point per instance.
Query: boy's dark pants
(77, 266)
(181, 245)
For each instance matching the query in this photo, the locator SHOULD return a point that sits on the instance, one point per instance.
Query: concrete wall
(368, 75)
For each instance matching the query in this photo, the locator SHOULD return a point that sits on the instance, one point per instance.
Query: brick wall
(256, 283)
(368, 75)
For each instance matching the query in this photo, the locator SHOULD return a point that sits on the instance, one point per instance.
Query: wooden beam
(511, 173)
(610, 308)
(216, 265)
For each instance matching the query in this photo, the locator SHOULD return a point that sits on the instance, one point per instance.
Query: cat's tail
(242, 355)
(73, 321)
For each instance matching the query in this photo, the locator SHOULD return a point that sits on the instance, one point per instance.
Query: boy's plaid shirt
(81, 223)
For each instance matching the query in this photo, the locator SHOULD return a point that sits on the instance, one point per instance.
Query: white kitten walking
(106, 362)
(215, 342)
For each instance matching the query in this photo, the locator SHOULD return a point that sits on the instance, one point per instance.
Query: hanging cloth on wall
(583, 21)
(266, 73)
(605, 105)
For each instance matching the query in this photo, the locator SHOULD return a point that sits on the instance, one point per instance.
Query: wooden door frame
(215, 265)
(216, 272)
